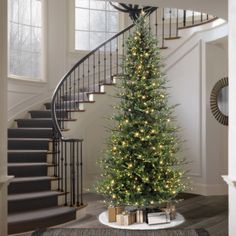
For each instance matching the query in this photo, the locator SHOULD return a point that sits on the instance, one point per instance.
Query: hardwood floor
(210, 213)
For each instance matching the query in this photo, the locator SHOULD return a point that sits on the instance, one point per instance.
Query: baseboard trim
(209, 190)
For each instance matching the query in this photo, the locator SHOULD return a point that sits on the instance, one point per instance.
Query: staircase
(34, 200)
(48, 186)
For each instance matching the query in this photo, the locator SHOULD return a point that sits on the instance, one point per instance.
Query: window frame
(43, 77)
(72, 31)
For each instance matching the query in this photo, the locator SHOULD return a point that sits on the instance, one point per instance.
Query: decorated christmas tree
(141, 166)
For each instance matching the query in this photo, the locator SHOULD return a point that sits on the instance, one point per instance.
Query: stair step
(27, 156)
(163, 48)
(28, 169)
(30, 133)
(36, 122)
(47, 114)
(27, 221)
(30, 184)
(172, 38)
(48, 105)
(76, 96)
(32, 201)
(28, 144)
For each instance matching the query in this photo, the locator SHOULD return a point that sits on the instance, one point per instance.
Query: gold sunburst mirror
(219, 101)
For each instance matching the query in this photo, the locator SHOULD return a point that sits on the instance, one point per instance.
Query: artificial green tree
(141, 167)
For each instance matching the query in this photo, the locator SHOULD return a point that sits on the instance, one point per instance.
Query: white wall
(191, 76)
(4, 179)
(24, 95)
(216, 134)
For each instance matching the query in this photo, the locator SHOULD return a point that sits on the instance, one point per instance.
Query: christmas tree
(141, 167)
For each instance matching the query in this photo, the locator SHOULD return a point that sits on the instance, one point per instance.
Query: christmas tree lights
(141, 166)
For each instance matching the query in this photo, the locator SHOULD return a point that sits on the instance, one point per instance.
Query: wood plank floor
(210, 213)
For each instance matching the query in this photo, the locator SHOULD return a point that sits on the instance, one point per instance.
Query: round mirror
(222, 100)
(219, 101)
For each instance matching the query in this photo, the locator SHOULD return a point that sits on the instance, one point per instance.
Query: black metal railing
(86, 77)
(68, 161)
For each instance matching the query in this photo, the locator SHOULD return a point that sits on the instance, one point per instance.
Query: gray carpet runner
(117, 232)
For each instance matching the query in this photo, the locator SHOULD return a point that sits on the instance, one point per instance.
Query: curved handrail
(55, 121)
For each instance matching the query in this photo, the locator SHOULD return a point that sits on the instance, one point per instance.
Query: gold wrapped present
(120, 219)
(111, 214)
(113, 211)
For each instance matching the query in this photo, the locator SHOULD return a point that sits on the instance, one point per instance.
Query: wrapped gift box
(158, 218)
(120, 219)
(150, 210)
(140, 216)
(126, 218)
(111, 214)
(113, 211)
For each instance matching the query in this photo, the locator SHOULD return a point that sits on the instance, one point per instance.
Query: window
(95, 21)
(25, 38)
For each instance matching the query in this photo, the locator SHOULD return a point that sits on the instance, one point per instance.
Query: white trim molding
(5, 180)
(229, 180)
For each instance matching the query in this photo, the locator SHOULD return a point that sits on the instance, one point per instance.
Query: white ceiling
(215, 7)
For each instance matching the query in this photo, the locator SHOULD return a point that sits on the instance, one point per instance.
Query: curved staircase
(48, 186)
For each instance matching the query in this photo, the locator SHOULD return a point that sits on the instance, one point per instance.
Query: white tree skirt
(103, 218)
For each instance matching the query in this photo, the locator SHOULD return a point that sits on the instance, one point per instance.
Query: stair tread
(34, 119)
(39, 214)
(27, 164)
(31, 139)
(28, 151)
(28, 179)
(46, 119)
(30, 128)
(25, 196)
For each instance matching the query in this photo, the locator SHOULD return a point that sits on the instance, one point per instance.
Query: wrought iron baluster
(170, 23)
(117, 56)
(105, 63)
(81, 172)
(177, 23)
(193, 18)
(163, 28)
(94, 69)
(77, 174)
(149, 24)
(78, 90)
(54, 153)
(61, 107)
(83, 90)
(65, 106)
(65, 165)
(57, 107)
(74, 86)
(156, 25)
(123, 50)
(71, 100)
(184, 18)
(62, 165)
(99, 68)
(88, 75)
(73, 172)
(110, 61)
